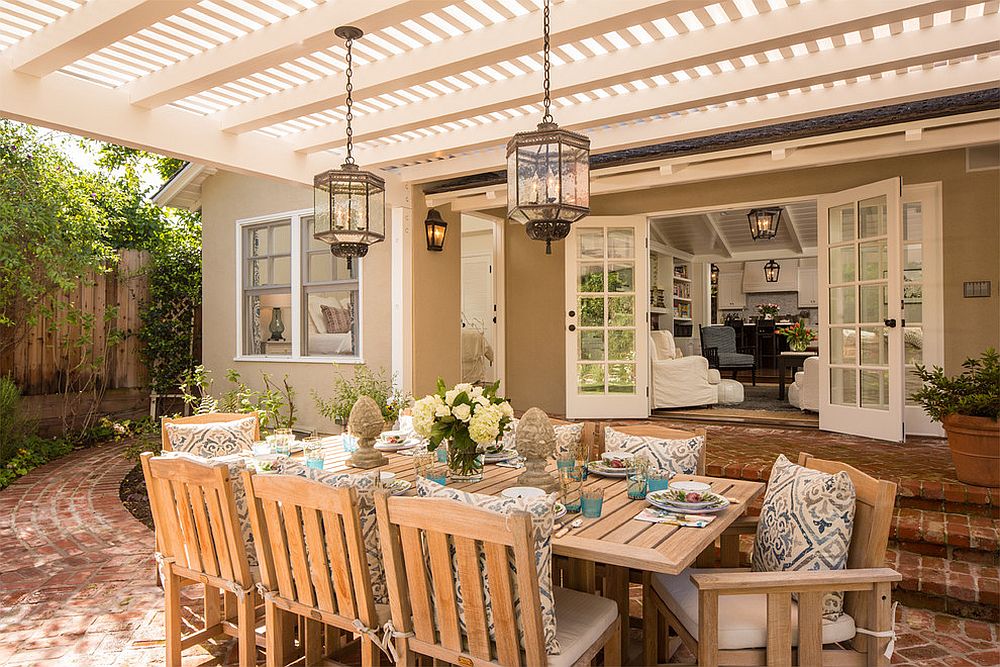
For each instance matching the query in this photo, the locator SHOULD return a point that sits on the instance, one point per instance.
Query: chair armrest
(748, 349)
(738, 583)
(712, 354)
(745, 525)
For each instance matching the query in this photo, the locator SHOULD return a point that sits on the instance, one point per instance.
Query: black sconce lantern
(764, 222)
(714, 274)
(771, 270)
(436, 229)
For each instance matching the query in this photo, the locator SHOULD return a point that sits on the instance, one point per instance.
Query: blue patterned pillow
(806, 524)
(540, 510)
(679, 456)
(364, 484)
(568, 437)
(212, 439)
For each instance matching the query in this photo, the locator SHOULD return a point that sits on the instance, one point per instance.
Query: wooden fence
(60, 353)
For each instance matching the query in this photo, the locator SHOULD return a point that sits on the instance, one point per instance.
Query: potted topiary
(967, 405)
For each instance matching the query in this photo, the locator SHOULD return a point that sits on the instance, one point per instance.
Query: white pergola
(257, 86)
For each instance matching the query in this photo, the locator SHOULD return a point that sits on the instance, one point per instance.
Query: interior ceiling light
(548, 171)
(348, 203)
(771, 270)
(764, 222)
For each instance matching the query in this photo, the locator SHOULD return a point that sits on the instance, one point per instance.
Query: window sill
(300, 360)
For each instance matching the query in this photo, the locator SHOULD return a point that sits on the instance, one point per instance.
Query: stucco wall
(228, 197)
(971, 220)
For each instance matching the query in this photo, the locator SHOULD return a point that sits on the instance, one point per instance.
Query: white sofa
(679, 381)
(804, 392)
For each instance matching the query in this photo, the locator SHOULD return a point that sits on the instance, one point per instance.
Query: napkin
(653, 515)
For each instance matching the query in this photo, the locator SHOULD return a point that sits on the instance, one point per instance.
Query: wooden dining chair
(199, 540)
(422, 569)
(791, 629)
(312, 565)
(209, 418)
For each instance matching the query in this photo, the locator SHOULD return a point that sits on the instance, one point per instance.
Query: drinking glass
(350, 443)
(313, 448)
(637, 485)
(442, 453)
(438, 472)
(567, 460)
(592, 500)
(658, 479)
(261, 448)
(570, 483)
(422, 461)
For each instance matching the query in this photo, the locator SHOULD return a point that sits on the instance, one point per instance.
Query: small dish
(558, 511)
(619, 459)
(522, 492)
(387, 477)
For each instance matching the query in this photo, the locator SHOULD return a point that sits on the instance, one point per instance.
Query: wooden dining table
(616, 540)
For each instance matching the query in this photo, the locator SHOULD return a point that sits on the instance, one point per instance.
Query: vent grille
(980, 158)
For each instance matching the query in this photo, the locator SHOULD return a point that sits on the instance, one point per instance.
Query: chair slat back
(210, 418)
(197, 525)
(663, 432)
(873, 507)
(310, 544)
(425, 555)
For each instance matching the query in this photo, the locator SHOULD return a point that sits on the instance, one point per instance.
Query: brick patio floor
(77, 586)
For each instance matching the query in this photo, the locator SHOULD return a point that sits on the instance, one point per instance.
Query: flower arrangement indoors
(469, 417)
(798, 336)
(768, 310)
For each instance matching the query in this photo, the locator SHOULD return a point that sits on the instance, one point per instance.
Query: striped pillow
(337, 320)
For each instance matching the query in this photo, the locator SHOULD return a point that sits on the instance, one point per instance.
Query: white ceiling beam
(937, 44)
(572, 20)
(793, 231)
(755, 34)
(713, 223)
(69, 104)
(85, 30)
(296, 36)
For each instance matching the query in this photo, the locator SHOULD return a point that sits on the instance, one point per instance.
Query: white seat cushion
(581, 619)
(742, 618)
(730, 391)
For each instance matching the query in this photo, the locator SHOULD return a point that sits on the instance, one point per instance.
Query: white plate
(558, 511)
(526, 492)
(698, 487)
(656, 499)
(396, 446)
(669, 496)
(598, 468)
(502, 455)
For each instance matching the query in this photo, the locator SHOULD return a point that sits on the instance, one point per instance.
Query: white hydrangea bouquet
(469, 417)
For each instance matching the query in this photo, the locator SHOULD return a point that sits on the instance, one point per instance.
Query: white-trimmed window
(296, 300)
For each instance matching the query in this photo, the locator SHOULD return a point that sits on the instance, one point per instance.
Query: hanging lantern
(764, 222)
(548, 172)
(714, 274)
(349, 203)
(436, 229)
(771, 270)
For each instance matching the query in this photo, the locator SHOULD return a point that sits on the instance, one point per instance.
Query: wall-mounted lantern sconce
(436, 229)
(771, 270)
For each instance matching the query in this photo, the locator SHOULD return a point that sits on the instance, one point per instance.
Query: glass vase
(798, 345)
(465, 465)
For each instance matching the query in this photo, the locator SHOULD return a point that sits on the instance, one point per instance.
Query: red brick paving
(77, 586)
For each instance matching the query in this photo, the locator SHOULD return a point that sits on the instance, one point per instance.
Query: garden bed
(132, 492)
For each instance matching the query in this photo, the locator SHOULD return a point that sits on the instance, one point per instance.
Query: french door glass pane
(590, 243)
(621, 345)
(591, 345)
(842, 386)
(621, 243)
(591, 278)
(590, 378)
(913, 275)
(873, 303)
(591, 311)
(873, 217)
(843, 348)
(874, 346)
(842, 265)
(875, 389)
(621, 378)
(841, 223)
(621, 311)
(874, 260)
(842, 305)
(621, 277)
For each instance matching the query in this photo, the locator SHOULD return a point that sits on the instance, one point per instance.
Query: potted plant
(967, 405)
(798, 336)
(469, 417)
(366, 382)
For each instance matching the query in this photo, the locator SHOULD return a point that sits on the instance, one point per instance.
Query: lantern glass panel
(575, 169)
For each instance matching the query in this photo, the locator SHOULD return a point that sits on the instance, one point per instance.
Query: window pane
(621, 378)
(590, 243)
(842, 386)
(591, 345)
(621, 277)
(257, 245)
(842, 265)
(331, 323)
(913, 345)
(842, 305)
(281, 271)
(843, 344)
(874, 260)
(281, 240)
(621, 344)
(621, 311)
(841, 223)
(320, 267)
(621, 243)
(592, 311)
(591, 278)
(590, 378)
(873, 303)
(266, 324)
(875, 389)
(873, 217)
(874, 346)
(913, 221)
(257, 273)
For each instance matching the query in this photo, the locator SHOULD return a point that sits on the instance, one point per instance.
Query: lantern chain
(350, 103)
(547, 117)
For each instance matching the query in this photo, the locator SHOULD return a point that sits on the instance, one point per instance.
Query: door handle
(891, 323)
(572, 327)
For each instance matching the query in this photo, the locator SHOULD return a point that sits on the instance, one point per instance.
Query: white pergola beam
(296, 36)
(85, 30)
(793, 231)
(69, 104)
(572, 20)
(756, 34)
(916, 48)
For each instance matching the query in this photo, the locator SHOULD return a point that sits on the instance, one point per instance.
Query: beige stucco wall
(971, 219)
(228, 197)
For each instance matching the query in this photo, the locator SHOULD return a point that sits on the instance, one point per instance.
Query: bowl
(618, 459)
(393, 437)
(522, 492)
(697, 487)
(387, 477)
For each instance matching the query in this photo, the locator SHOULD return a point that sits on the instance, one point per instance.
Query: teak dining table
(615, 540)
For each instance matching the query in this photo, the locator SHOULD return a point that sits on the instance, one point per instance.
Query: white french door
(861, 334)
(607, 303)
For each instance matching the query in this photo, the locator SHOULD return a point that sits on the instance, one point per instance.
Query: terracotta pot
(975, 449)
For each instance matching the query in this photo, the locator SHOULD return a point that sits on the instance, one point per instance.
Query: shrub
(13, 425)
(974, 392)
(374, 384)
(270, 403)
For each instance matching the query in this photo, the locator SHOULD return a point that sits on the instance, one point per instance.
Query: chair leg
(277, 627)
(613, 646)
(246, 630)
(313, 641)
(369, 652)
(753, 374)
(172, 616)
(650, 624)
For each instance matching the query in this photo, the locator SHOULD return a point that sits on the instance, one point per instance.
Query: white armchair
(678, 381)
(804, 392)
